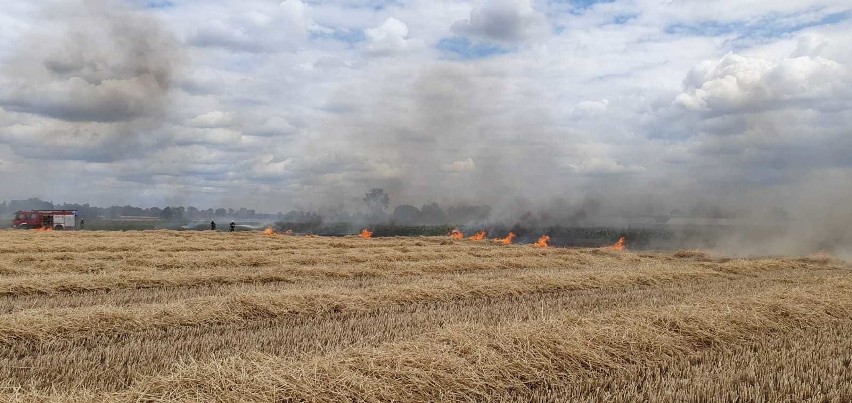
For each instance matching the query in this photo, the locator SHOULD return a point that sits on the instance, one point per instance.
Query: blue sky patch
(624, 18)
(159, 4)
(705, 28)
(580, 6)
(462, 47)
(348, 36)
(770, 26)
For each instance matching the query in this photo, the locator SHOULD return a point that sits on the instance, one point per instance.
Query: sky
(306, 104)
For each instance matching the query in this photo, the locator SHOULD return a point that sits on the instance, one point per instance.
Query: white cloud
(388, 38)
(212, 119)
(739, 84)
(590, 108)
(254, 26)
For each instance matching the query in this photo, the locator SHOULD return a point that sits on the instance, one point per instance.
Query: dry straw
(189, 316)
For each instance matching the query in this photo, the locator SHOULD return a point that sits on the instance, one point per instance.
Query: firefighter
(213, 225)
(233, 226)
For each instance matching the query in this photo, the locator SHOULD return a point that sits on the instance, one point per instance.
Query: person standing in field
(213, 225)
(233, 226)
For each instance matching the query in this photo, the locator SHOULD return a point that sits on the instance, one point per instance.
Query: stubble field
(204, 316)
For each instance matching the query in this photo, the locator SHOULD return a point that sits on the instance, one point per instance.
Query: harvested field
(206, 316)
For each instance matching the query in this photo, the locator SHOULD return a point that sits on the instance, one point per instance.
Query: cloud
(506, 21)
(389, 38)
(590, 108)
(738, 83)
(93, 80)
(212, 119)
(603, 166)
(259, 27)
(47, 139)
(96, 62)
(754, 124)
(464, 165)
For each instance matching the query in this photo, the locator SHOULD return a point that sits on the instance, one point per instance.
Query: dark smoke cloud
(92, 79)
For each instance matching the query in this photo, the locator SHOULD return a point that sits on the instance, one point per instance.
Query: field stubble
(162, 315)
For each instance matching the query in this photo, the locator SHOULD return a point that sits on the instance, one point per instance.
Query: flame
(456, 234)
(478, 236)
(44, 229)
(269, 231)
(365, 233)
(508, 239)
(543, 242)
(619, 245)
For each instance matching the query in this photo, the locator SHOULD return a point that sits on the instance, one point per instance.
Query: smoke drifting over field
(610, 114)
(749, 165)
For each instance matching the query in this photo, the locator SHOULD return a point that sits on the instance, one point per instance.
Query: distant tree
(302, 217)
(431, 214)
(377, 201)
(167, 214)
(467, 214)
(406, 214)
(220, 212)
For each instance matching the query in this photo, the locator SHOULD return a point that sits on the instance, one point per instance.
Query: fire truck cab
(47, 219)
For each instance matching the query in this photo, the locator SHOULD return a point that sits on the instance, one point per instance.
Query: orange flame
(619, 245)
(269, 231)
(478, 236)
(44, 229)
(508, 239)
(543, 242)
(365, 233)
(456, 234)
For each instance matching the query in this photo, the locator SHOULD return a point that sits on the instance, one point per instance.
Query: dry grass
(196, 316)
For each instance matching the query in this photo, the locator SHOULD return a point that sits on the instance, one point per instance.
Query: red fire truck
(46, 219)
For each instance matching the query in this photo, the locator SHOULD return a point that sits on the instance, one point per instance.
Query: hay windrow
(202, 316)
(466, 362)
(38, 324)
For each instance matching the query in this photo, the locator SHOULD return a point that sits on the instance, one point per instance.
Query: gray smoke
(760, 170)
(91, 81)
(452, 136)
